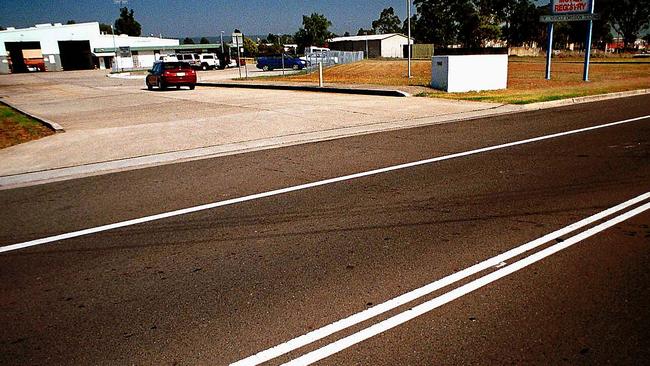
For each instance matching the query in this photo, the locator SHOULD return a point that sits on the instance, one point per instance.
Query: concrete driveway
(116, 123)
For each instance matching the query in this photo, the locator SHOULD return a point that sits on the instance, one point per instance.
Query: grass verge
(526, 82)
(16, 128)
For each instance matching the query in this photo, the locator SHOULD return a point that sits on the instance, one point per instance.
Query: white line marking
(276, 192)
(374, 311)
(423, 308)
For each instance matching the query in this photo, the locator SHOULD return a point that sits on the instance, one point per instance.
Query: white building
(77, 47)
(389, 45)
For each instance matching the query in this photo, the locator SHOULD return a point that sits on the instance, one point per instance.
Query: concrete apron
(122, 127)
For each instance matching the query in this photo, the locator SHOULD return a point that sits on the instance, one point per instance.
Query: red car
(164, 74)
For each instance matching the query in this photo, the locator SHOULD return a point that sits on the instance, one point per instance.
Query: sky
(194, 18)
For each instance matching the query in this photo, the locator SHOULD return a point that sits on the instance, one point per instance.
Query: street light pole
(115, 66)
(367, 56)
(222, 50)
(408, 14)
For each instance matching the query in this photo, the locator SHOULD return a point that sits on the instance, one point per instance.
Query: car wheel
(265, 68)
(192, 87)
(204, 67)
(161, 85)
(296, 67)
(149, 86)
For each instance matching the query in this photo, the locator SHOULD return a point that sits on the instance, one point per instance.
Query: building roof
(369, 37)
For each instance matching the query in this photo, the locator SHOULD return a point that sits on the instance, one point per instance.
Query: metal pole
(367, 56)
(320, 74)
(115, 65)
(590, 30)
(245, 65)
(408, 12)
(238, 55)
(222, 50)
(282, 62)
(549, 51)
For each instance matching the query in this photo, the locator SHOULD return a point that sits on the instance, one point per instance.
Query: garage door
(16, 54)
(75, 55)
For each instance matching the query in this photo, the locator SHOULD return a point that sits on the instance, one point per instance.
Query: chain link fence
(331, 58)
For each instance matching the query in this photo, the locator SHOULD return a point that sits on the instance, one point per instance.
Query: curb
(326, 89)
(53, 125)
(585, 99)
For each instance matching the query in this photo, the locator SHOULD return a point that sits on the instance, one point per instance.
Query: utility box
(457, 74)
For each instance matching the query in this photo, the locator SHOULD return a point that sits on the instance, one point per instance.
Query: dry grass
(526, 83)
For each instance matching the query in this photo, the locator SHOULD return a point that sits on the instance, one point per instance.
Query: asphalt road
(219, 285)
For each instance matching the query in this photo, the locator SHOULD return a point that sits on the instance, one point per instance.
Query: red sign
(571, 6)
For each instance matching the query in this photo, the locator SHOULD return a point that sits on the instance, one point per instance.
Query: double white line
(449, 296)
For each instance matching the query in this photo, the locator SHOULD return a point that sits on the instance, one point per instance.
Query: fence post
(320, 74)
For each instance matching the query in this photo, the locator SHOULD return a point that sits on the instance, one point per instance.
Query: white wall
(49, 36)
(106, 41)
(457, 74)
(393, 47)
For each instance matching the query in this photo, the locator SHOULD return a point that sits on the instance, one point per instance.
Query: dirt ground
(16, 128)
(526, 82)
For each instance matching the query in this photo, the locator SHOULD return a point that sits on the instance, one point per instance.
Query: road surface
(221, 284)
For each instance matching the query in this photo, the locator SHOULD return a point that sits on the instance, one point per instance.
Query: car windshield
(207, 57)
(176, 65)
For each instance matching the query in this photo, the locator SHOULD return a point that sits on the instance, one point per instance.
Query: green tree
(72, 21)
(272, 39)
(204, 41)
(363, 32)
(287, 39)
(437, 21)
(314, 31)
(629, 18)
(388, 22)
(519, 19)
(105, 28)
(2, 28)
(188, 40)
(126, 23)
(250, 47)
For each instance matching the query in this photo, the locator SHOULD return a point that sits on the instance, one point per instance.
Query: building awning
(181, 47)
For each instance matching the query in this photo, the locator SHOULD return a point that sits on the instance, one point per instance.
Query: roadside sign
(568, 18)
(238, 39)
(571, 6)
(570, 11)
(125, 51)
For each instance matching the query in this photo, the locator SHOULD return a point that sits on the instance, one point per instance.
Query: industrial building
(58, 47)
(390, 45)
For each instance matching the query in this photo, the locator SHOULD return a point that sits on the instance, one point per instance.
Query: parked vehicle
(164, 74)
(275, 62)
(191, 58)
(34, 60)
(209, 61)
(168, 58)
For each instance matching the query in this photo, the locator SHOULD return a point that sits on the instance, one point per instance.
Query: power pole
(408, 14)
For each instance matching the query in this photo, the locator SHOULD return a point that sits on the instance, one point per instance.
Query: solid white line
(369, 313)
(423, 308)
(276, 192)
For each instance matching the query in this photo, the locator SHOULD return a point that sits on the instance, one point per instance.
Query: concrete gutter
(52, 125)
(310, 88)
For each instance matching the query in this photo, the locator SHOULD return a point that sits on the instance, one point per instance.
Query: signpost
(570, 11)
(238, 39)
